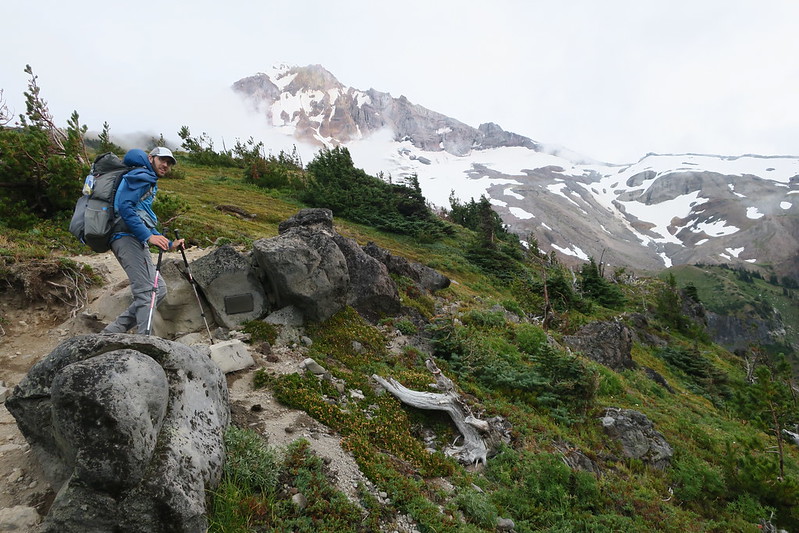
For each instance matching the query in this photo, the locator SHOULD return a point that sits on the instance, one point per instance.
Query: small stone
(313, 367)
(357, 394)
(505, 524)
(299, 500)
(19, 518)
(14, 476)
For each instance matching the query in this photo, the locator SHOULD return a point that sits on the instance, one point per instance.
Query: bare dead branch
(475, 448)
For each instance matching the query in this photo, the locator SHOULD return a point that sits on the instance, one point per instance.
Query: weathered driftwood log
(474, 449)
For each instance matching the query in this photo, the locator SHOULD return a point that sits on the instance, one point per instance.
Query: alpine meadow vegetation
(498, 333)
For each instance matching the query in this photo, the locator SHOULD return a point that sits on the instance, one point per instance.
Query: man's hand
(160, 241)
(176, 245)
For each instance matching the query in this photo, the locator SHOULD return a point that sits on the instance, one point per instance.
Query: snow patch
(573, 251)
(717, 229)
(732, 190)
(510, 192)
(663, 213)
(518, 212)
(557, 188)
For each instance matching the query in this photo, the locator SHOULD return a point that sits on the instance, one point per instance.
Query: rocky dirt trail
(30, 332)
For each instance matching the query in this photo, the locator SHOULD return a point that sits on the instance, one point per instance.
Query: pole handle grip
(182, 246)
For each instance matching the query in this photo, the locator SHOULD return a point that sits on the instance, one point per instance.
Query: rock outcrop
(638, 437)
(177, 314)
(608, 343)
(303, 266)
(312, 268)
(371, 290)
(129, 430)
(426, 278)
(739, 333)
(230, 283)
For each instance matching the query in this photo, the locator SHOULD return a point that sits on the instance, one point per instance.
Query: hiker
(133, 202)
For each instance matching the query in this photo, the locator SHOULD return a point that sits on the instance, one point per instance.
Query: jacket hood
(143, 173)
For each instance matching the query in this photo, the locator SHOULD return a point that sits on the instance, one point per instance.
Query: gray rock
(609, 343)
(128, 429)
(314, 219)
(107, 403)
(655, 376)
(425, 277)
(231, 286)
(638, 437)
(180, 312)
(19, 518)
(313, 367)
(305, 268)
(371, 290)
(299, 500)
(505, 524)
(231, 355)
(286, 316)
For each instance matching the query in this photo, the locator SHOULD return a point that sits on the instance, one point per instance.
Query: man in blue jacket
(131, 247)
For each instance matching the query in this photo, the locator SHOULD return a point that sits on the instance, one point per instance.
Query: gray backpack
(94, 219)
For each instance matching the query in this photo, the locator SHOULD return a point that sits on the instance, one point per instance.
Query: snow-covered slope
(659, 211)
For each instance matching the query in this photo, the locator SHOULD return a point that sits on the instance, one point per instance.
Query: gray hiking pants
(138, 265)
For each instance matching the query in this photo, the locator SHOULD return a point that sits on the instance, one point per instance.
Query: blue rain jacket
(135, 195)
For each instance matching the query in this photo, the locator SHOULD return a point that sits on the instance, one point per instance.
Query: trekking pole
(194, 286)
(155, 289)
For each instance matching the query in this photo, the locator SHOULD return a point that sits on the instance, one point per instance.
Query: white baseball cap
(160, 151)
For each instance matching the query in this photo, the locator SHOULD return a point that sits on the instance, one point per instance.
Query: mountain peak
(320, 110)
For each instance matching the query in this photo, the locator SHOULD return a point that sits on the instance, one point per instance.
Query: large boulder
(638, 437)
(425, 277)
(371, 290)
(313, 219)
(180, 311)
(177, 314)
(129, 430)
(231, 285)
(304, 267)
(606, 342)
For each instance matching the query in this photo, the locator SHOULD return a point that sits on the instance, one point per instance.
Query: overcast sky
(610, 79)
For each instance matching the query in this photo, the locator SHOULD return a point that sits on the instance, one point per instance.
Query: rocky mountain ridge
(322, 111)
(663, 210)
